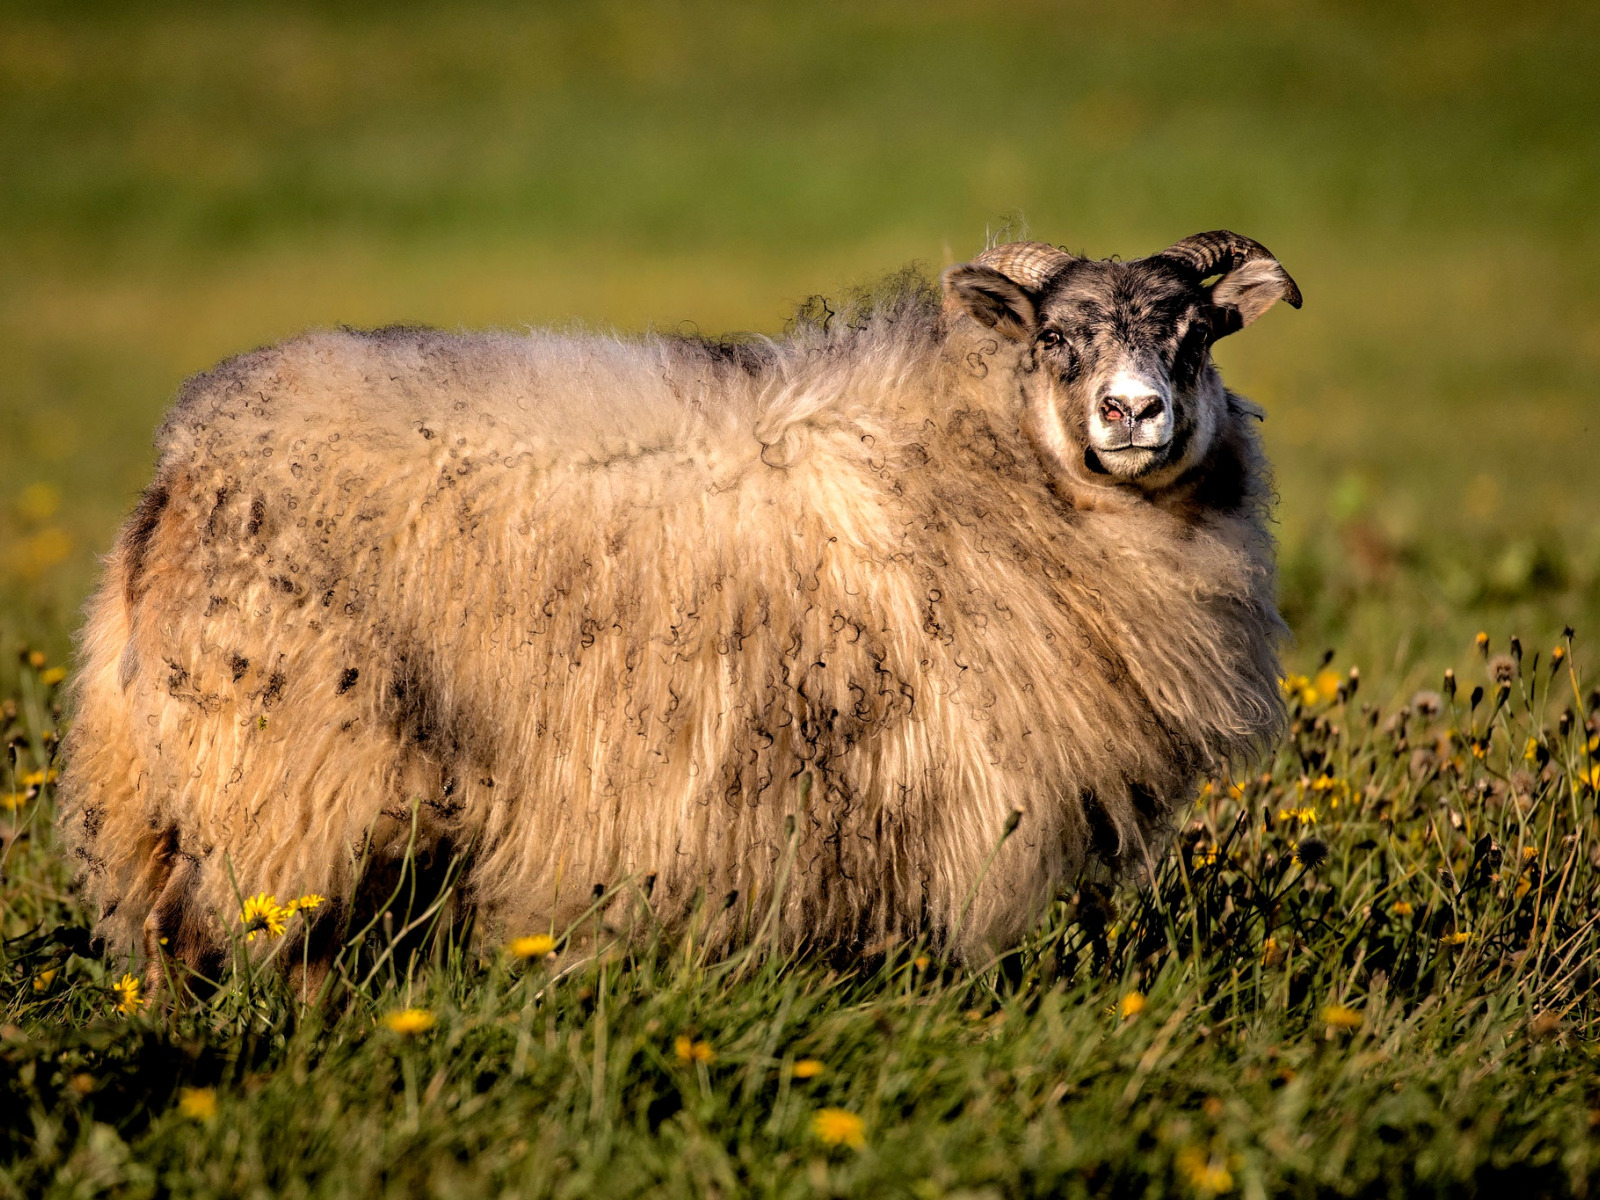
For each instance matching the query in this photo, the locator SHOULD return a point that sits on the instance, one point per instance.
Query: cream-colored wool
(605, 609)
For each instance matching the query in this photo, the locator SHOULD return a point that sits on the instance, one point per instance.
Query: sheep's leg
(179, 942)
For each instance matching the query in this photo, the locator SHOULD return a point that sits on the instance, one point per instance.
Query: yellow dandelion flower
(36, 659)
(198, 1104)
(408, 1022)
(12, 801)
(1206, 1175)
(920, 962)
(43, 980)
(690, 1050)
(1327, 685)
(1481, 642)
(1591, 777)
(1455, 939)
(304, 903)
(808, 1068)
(38, 778)
(53, 676)
(1530, 852)
(1301, 816)
(536, 946)
(1204, 857)
(838, 1127)
(1401, 908)
(1339, 1016)
(1557, 655)
(262, 915)
(1131, 1005)
(1530, 752)
(1524, 886)
(1271, 953)
(1236, 790)
(129, 994)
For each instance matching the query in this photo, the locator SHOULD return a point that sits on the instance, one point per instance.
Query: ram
(804, 626)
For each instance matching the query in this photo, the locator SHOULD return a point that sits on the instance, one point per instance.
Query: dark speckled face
(1117, 365)
(1124, 348)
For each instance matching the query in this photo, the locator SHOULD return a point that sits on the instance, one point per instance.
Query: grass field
(1367, 969)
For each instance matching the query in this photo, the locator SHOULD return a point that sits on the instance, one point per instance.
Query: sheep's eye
(1050, 337)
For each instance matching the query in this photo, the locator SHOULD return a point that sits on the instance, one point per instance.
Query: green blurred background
(180, 182)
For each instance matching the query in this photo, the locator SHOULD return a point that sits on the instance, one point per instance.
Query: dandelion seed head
(1427, 703)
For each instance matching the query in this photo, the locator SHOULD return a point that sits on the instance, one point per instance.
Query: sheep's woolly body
(607, 610)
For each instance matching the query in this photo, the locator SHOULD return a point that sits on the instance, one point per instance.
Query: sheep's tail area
(123, 854)
(197, 776)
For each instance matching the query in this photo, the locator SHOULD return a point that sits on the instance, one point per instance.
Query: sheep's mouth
(1124, 462)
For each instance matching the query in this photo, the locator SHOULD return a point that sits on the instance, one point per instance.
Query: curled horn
(1219, 252)
(1031, 264)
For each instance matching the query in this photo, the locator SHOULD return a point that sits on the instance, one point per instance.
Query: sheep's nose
(1135, 409)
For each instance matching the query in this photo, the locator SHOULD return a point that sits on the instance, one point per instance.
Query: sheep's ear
(991, 299)
(1247, 291)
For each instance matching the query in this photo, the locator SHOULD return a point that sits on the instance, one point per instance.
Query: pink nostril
(1116, 408)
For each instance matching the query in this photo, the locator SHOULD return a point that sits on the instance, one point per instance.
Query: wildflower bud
(1449, 684)
(1516, 647)
(1012, 822)
(1327, 657)
(1477, 698)
(1482, 643)
(1567, 633)
(1565, 723)
(1557, 657)
(599, 890)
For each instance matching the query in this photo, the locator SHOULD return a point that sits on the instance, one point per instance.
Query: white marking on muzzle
(1130, 412)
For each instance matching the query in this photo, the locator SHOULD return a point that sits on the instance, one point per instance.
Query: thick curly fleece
(658, 612)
